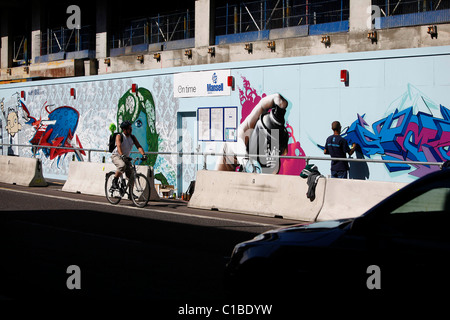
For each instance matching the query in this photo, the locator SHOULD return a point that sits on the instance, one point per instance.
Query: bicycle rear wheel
(113, 195)
(140, 190)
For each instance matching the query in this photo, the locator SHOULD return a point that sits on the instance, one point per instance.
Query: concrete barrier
(285, 196)
(22, 171)
(349, 198)
(258, 194)
(89, 178)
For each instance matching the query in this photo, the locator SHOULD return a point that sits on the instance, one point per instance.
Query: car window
(425, 216)
(434, 200)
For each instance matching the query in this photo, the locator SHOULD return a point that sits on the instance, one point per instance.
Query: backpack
(112, 141)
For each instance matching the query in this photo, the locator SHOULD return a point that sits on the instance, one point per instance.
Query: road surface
(59, 244)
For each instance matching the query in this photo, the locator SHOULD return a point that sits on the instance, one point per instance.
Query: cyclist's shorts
(122, 166)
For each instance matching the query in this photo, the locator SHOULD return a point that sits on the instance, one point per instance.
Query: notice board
(217, 124)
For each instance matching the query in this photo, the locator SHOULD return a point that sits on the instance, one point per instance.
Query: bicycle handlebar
(135, 160)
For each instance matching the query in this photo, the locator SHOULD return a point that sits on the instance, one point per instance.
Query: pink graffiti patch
(249, 98)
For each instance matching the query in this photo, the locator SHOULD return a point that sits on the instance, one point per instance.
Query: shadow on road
(118, 256)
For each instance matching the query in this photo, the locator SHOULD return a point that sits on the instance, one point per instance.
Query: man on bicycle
(121, 153)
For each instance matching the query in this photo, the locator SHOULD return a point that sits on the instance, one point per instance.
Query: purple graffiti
(403, 135)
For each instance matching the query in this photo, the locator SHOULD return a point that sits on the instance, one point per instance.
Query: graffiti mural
(166, 125)
(58, 130)
(417, 130)
(48, 116)
(139, 108)
(249, 98)
(11, 115)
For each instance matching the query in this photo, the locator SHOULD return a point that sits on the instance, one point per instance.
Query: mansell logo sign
(201, 84)
(215, 86)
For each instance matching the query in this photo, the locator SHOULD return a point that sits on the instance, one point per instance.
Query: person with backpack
(124, 143)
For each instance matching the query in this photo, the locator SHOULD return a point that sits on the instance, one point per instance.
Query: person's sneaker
(115, 184)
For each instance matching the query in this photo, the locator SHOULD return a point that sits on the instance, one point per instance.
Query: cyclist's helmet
(125, 124)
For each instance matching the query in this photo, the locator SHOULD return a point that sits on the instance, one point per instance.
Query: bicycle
(138, 189)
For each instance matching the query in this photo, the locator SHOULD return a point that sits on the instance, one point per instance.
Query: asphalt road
(55, 244)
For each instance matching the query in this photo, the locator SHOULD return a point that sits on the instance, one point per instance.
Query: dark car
(400, 246)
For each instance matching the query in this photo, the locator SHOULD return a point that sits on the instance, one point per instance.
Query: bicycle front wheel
(113, 195)
(140, 190)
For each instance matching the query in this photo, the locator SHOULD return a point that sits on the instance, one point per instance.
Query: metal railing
(397, 7)
(63, 39)
(309, 158)
(35, 149)
(161, 28)
(205, 155)
(21, 51)
(273, 14)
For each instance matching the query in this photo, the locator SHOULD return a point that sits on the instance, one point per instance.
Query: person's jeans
(339, 174)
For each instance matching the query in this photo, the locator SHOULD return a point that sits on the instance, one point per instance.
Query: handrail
(216, 154)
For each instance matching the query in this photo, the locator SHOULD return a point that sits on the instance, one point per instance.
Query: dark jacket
(313, 177)
(312, 174)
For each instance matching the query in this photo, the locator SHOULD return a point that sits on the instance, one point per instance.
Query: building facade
(383, 76)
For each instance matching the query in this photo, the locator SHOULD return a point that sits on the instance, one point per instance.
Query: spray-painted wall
(395, 106)
(79, 113)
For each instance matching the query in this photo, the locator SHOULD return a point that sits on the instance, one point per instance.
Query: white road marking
(144, 209)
